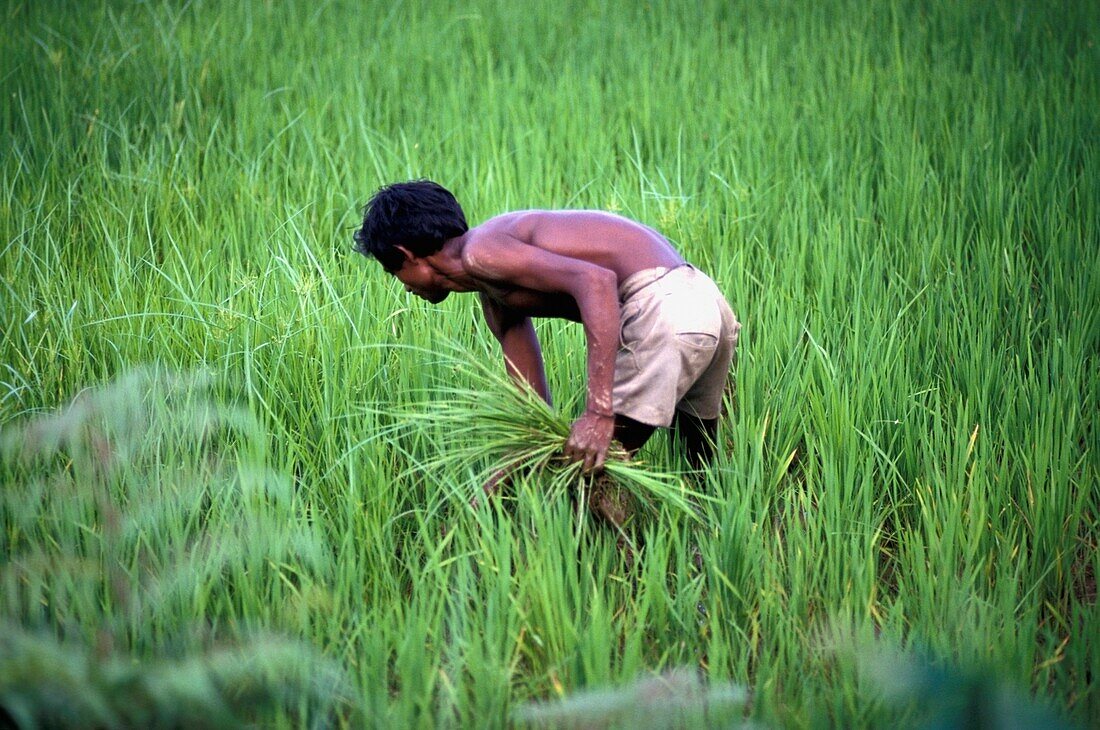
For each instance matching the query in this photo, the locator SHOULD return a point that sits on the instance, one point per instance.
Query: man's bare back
(604, 239)
(601, 238)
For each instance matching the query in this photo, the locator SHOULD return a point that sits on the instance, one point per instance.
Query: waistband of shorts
(639, 280)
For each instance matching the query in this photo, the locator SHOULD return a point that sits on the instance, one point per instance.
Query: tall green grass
(898, 198)
(142, 530)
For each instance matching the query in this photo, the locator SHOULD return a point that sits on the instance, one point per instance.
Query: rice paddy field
(238, 459)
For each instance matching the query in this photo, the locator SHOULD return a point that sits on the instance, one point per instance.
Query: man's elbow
(599, 279)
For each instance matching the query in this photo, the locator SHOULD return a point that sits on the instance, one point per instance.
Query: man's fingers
(576, 454)
(587, 444)
(587, 456)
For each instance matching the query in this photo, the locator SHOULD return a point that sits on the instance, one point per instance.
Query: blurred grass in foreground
(144, 504)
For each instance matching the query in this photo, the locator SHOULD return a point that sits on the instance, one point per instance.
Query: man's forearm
(523, 357)
(599, 308)
(598, 301)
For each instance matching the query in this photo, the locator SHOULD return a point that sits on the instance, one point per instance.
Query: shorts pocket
(701, 340)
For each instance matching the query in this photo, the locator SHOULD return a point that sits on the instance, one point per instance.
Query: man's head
(408, 218)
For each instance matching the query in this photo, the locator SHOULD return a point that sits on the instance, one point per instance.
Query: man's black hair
(419, 215)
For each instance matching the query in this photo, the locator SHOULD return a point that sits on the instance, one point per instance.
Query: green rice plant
(900, 199)
(943, 696)
(45, 682)
(124, 514)
(482, 424)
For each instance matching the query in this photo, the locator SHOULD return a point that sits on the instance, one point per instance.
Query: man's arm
(595, 290)
(520, 345)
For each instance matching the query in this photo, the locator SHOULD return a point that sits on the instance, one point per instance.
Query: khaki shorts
(677, 341)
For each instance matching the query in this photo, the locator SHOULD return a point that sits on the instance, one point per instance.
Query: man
(660, 334)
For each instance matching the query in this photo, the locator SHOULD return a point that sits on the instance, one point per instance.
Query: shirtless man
(660, 335)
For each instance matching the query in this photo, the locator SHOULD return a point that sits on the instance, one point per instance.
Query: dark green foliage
(898, 197)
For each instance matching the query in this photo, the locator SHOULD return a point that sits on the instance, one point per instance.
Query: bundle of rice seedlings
(480, 418)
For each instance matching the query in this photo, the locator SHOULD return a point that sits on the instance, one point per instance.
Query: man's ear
(408, 254)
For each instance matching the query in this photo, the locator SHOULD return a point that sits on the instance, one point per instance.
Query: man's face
(421, 279)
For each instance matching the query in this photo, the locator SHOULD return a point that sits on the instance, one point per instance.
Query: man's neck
(447, 262)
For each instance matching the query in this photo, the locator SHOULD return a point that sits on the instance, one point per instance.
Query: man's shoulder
(505, 229)
(496, 248)
(510, 224)
(485, 243)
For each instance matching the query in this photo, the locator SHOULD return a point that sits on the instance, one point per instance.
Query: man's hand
(590, 439)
